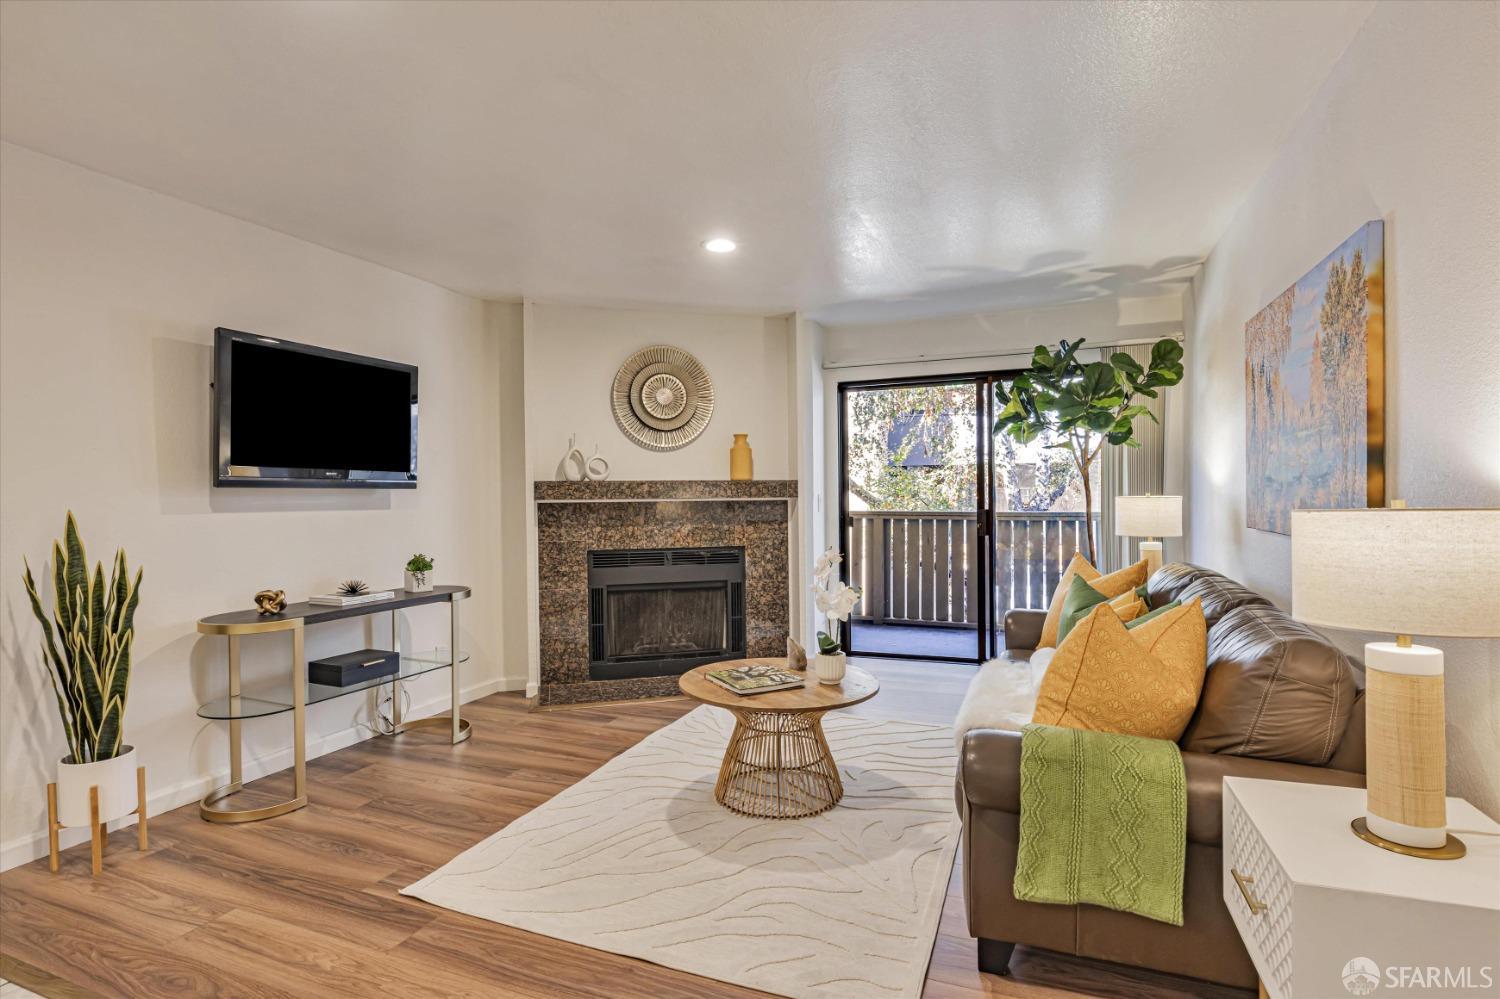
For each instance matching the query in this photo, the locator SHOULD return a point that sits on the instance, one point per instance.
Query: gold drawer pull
(1255, 904)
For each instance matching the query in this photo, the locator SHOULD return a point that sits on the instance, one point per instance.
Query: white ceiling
(875, 160)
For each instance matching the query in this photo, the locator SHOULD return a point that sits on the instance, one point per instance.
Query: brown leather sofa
(1279, 702)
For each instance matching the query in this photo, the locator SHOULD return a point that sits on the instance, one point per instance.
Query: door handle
(1244, 881)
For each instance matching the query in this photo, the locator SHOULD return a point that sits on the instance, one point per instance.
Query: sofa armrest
(989, 770)
(1023, 628)
(1205, 774)
(989, 776)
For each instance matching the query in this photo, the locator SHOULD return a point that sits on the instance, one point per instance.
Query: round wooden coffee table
(777, 764)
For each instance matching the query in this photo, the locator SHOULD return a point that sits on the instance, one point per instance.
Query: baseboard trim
(25, 849)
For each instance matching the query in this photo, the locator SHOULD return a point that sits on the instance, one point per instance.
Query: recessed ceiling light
(719, 245)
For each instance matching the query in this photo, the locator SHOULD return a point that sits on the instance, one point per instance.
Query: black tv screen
(287, 414)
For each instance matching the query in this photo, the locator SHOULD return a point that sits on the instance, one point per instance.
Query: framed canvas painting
(1315, 389)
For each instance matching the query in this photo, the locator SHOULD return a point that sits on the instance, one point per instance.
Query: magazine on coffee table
(757, 678)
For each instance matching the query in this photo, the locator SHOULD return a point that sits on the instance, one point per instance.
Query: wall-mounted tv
(287, 414)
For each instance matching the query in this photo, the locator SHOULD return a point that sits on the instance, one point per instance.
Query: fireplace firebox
(660, 612)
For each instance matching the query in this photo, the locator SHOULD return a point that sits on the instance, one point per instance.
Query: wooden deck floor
(307, 905)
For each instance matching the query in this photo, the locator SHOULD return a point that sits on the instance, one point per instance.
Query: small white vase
(418, 582)
(115, 779)
(830, 668)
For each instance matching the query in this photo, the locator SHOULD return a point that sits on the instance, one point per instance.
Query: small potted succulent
(836, 601)
(418, 573)
(86, 644)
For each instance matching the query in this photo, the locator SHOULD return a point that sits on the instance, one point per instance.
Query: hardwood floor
(307, 904)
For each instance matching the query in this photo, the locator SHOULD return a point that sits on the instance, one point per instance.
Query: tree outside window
(913, 448)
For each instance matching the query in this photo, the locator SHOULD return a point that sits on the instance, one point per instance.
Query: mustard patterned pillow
(1112, 585)
(1146, 682)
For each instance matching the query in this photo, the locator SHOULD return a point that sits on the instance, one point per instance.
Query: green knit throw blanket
(1103, 821)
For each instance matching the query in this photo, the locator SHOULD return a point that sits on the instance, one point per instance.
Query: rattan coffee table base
(778, 766)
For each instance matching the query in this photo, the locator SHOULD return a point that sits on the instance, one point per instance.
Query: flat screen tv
(287, 414)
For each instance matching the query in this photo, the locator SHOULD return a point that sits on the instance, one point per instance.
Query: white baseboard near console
(25, 849)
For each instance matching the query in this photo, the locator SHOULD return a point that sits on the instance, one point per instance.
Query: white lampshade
(1404, 572)
(1148, 516)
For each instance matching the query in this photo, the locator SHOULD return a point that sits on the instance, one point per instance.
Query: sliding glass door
(1038, 519)
(946, 525)
(910, 502)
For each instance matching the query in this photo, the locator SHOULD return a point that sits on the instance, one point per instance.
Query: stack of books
(350, 599)
(757, 678)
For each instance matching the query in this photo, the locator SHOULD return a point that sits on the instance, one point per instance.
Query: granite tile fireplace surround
(576, 518)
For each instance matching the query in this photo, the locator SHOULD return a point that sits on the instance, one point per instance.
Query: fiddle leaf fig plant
(1086, 405)
(86, 644)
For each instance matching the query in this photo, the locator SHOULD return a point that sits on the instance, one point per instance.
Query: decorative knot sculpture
(270, 601)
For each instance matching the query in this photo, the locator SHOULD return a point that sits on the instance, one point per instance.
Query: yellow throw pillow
(1130, 611)
(1112, 585)
(1146, 682)
(1079, 566)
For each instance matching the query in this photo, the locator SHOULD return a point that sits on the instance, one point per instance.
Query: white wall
(572, 354)
(806, 442)
(1404, 130)
(988, 340)
(111, 295)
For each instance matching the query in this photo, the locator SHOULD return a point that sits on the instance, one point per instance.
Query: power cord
(385, 723)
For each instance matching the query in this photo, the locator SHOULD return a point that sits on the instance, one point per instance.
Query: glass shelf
(277, 699)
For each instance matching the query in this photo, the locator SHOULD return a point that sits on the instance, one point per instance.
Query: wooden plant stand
(97, 830)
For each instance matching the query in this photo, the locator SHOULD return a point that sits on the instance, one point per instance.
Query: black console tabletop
(318, 613)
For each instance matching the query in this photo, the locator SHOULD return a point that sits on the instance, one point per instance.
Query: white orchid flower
(827, 598)
(826, 565)
(837, 602)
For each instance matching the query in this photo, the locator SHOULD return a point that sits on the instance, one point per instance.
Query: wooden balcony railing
(917, 567)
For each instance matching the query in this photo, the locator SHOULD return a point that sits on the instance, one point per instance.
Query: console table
(298, 693)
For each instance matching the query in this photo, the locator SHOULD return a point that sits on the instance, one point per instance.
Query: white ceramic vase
(830, 668)
(418, 582)
(115, 779)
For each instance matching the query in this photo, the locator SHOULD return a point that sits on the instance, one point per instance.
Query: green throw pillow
(1141, 592)
(1081, 598)
(1150, 614)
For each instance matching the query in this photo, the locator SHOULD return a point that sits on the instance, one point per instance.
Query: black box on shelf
(350, 668)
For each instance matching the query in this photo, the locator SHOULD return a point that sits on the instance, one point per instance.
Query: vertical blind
(1132, 471)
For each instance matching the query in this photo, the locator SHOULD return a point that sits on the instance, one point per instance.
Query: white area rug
(638, 859)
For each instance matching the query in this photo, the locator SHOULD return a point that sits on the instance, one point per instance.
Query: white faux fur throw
(1001, 695)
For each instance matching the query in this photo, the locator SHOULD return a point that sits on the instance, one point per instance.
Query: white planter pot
(418, 582)
(830, 669)
(116, 782)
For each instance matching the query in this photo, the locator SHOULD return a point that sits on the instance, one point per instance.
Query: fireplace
(660, 612)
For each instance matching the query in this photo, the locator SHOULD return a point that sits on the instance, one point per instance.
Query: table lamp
(1149, 517)
(1407, 572)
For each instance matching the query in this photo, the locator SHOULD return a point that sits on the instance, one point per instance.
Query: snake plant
(88, 653)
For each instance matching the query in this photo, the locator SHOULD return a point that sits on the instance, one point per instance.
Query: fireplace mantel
(576, 518)
(637, 490)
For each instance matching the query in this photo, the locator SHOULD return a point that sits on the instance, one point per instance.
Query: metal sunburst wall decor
(662, 398)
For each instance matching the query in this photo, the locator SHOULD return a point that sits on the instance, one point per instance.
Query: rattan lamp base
(1453, 849)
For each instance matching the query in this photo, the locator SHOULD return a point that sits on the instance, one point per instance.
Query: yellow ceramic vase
(741, 463)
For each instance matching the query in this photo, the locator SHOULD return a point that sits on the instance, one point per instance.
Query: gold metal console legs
(299, 744)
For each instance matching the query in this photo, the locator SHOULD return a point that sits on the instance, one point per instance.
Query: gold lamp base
(1451, 850)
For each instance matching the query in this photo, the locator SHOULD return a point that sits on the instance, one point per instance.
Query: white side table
(1324, 914)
